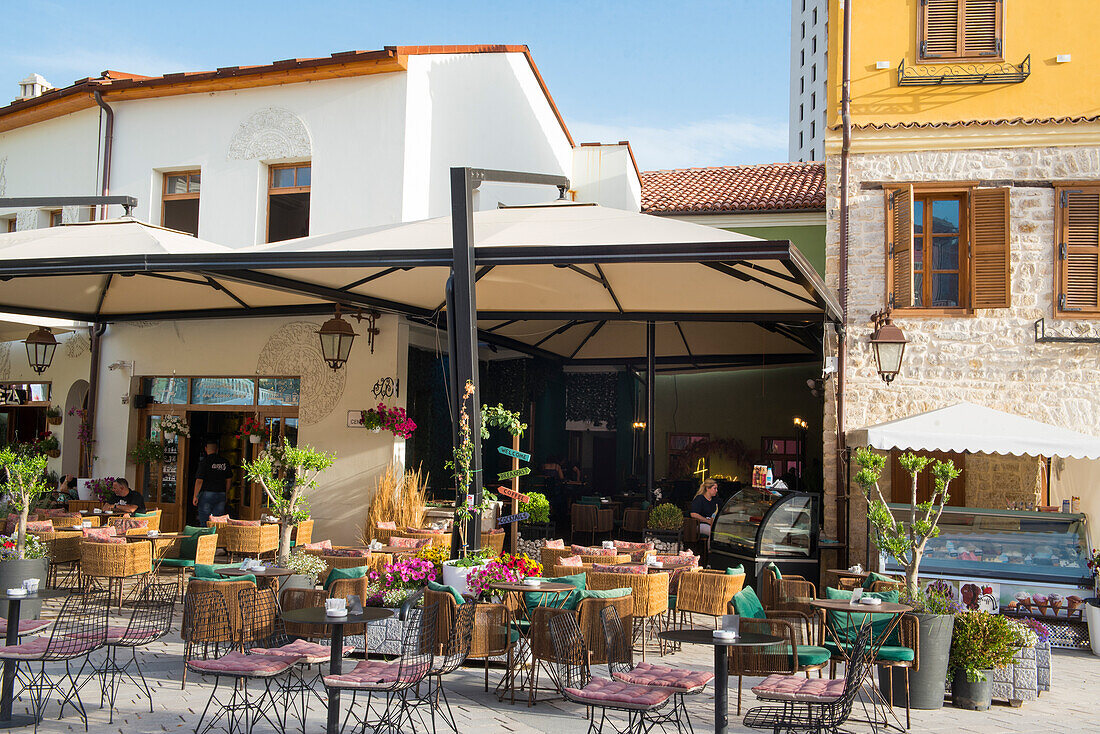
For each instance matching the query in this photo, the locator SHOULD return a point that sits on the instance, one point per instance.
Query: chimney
(33, 86)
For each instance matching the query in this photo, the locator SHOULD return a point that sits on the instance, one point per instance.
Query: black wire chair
(391, 682)
(620, 663)
(242, 710)
(452, 656)
(641, 704)
(80, 629)
(150, 621)
(793, 715)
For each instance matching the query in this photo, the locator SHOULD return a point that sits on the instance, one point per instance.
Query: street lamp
(41, 344)
(337, 336)
(889, 342)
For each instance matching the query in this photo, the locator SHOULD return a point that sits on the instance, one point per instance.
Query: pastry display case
(758, 526)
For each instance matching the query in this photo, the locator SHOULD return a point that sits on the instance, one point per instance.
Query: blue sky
(689, 83)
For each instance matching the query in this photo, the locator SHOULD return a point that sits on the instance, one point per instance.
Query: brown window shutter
(941, 29)
(982, 28)
(990, 277)
(1078, 254)
(901, 248)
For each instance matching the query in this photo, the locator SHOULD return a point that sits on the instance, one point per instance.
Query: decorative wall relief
(5, 359)
(295, 350)
(77, 344)
(271, 133)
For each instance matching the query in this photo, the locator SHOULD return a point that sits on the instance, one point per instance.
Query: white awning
(973, 428)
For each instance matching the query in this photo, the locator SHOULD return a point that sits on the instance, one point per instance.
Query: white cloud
(725, 140)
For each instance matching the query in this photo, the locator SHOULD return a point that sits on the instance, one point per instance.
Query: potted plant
(538, 510)
(666, 516)
(395, 420)
(286, 488)
(53, 415)
(146, 451)
(981, 642)
(934, 610)
(174, 425)
(254, 429)
(457, 571)
(100, 489)
(22, 557)
(48, 444)
(307, 570)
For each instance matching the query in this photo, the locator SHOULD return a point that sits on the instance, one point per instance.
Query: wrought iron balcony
(937, 75)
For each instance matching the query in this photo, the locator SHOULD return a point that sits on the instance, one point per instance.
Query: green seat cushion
(736, 571)
(774, 571)
(357, 572)
(886, 653)
(210, 570)
(144, 514)
(810, 655)
(246, 577)
(177, 563)
(607, 594)
(747, 604)
(189, 546)
(433, 586)
(671, 601)
(872, 578)
(845, 626)
(561, 599)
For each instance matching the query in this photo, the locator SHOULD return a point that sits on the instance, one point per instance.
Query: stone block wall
(989, 358)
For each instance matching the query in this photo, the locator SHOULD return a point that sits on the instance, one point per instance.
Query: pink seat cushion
(219, 518)
(323, 545)
(36, 647)
(26, 626)
(679, 679)
(241, 664)
(374, 674)
(243, 523)
(100, 534)
(603, 691)
(621, 568)
(348, 552)
(39, 526)
(554, 544)
(398, 542)
(570, 561)
(792, 688)
(387, 525)
(584, 550)
(306, 652)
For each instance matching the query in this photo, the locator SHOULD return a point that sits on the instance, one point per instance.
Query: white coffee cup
(31, 585)
(98, 511)
(336, 607)
(154, 532)
(608, 544)
(86, 524)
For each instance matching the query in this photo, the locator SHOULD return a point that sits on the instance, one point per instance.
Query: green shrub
(983, 641)
(538, 508)
(666, 516)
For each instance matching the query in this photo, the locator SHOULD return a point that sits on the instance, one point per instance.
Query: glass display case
(757, 526)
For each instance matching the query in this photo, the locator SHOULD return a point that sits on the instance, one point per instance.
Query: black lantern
(337, 337)
(41, 344)
(889, 342)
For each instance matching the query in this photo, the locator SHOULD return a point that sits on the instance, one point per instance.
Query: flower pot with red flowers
(255, 430)
(395, 420)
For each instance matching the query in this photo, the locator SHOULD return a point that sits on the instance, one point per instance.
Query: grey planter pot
(12, 574)
(926, 688)
(297, 581)
(976, 696)
(1019, 682)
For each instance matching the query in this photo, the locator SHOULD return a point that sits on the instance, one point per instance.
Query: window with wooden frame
(288, 201)
(56, 218)
(180, 201)
(1077, 251)
(947, 249)
(960, 30)
(11, 224)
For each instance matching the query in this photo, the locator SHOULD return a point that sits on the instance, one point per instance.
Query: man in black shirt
(212, 480)
(126, 499)
(705, 506)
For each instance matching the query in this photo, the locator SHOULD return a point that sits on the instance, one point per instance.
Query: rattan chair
(302, 533)
(492, 636)
(298, 598)
(641, 704)
(68, 520)
(64, 554)
(705, 592)
(552, 556)
(115, 562)
(634, 522)
(248, 541)
(206, 547)
(80, 629)
(155, 518)
(788, 592)
(650, 602)
(489, 540)
(150, 621)
(201, 629)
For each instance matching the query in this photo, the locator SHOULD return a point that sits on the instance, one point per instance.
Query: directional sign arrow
(523, 470)
(513, 453)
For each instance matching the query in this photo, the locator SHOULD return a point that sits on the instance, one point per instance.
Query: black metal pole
(463, 328)
(650, 378)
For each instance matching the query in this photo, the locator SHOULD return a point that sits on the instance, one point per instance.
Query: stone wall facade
(988, 358)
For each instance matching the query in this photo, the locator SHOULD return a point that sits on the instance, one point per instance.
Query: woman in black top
(705, 505)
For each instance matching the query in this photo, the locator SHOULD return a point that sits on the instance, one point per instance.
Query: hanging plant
(254, 429)
(53, 415)
(146, 451)
(395, 420)
(47, 444)
(174, 425)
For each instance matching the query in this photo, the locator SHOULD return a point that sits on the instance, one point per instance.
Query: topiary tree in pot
(287, 487)
(23, 477)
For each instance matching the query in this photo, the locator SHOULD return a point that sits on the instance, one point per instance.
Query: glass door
(160, 482)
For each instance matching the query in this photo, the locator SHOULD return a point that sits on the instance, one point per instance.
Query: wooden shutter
(1078, 251)
(990, 277)
(900, 247)
(941, 29)
(982, 28)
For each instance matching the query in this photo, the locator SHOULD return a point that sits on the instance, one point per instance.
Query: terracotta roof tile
(769, 187)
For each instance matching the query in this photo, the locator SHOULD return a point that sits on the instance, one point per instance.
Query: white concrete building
(246, 155)
(809, 69)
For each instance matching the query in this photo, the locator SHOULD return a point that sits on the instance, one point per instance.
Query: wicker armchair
(302, 533)
(789, 592)
(154, 520)
(64, 554)
(849, 583)
(64, 521)
(489, 540)
(298, 598)
(78, 505)
(242, 541)
(706, 592)
(133, 525)
(383, 535)
(650, 601)
(376, 561)
(552, 556)
(634, 522)
(169, 553)
(115, 562)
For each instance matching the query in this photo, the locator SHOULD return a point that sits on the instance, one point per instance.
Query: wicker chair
(789, 592)
(634, 522)
(154, 521)
(200, 628)
(78, 505)
(706, 592)
(650, 601)
(551, 557)
(115, 562)
(64, 521)
(850, 583)
(376, 561)
(134, 525)
(383, 535)
(302, 533)
(241, 541)
(64, 553)
(489, 540)
(298, 598)
(491, 632)
(206, 548)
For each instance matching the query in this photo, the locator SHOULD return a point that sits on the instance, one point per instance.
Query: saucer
(17, 592)
(724, 634)
(336, 614)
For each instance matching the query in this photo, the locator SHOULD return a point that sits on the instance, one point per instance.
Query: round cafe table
(271, 575)
(7, 720)
(317, 615)
(509, 682)
(721, 664)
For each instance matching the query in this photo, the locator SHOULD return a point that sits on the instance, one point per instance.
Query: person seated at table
(551, 469)
(705, 505)
(126, 499)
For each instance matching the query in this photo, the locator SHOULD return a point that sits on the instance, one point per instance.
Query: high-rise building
(809, 58)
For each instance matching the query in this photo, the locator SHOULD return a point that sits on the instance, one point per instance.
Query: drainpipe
(843, 501)
(108, 140)
(95, 333)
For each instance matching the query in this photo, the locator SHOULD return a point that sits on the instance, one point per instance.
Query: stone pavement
(1069, 707)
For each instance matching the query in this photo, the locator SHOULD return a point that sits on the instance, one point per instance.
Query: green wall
(810, 240)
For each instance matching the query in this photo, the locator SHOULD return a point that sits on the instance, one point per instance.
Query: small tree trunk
(21, 530)
(284, 541)
(911, 580)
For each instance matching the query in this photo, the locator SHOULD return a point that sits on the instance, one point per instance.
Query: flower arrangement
(306, 564)
(84, 430)
(174, 424)
(32, 547)
(935, 599)
(522, 565)
(101, 489)
(254, 427)
(435, 555)
(395, 420)
(48, 444)
(494, 572)
(397, 581)
(1037, 628)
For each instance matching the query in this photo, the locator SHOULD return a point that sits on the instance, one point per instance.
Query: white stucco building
(809, 69)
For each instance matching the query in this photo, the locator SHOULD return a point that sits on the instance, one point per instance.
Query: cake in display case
(758, 526)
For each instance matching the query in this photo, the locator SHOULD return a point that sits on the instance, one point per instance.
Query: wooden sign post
(515, 489)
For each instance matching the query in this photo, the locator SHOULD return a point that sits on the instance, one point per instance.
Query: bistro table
(519, 591)
(721, 664)
(7, 719)
(895, 610)
(317, 615)
(271, 575)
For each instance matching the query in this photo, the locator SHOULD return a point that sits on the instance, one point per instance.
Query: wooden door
(165, 484)
(901, 481)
